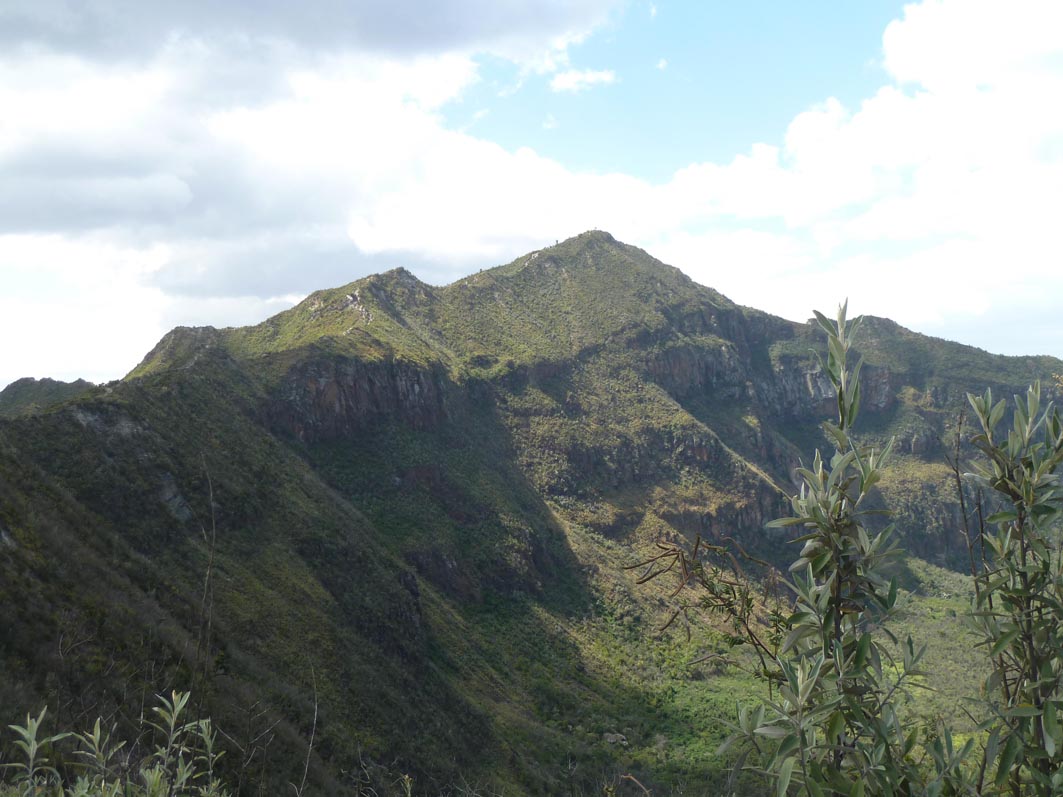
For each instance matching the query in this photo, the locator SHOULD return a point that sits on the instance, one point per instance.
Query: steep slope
(423, 501)
(107, 527)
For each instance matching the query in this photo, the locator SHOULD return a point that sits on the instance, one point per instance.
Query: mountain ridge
(28, 395)
(434, 491)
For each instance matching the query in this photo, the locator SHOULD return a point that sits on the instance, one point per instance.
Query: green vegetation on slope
(424, 498)
(26, 396)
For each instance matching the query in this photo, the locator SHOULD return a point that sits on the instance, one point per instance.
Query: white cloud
(662, 64)
(76, 307)
(198, 185)
(932, 202)
(581, 79)
(520, 30)
(549, 123)
(957, 45)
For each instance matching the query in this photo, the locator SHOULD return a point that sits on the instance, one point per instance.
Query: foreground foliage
(1019, 593)
(182, 762)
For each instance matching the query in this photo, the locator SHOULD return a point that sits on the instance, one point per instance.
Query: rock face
(794, 390)
(331, 398)
(688, 369)
(877, 389)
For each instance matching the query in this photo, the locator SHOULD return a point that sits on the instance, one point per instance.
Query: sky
(213, 161)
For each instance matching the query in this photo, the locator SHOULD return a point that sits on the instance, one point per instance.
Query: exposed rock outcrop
(686, 369)
(328, 398)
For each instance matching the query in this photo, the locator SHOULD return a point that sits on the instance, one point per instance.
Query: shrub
(181, 764)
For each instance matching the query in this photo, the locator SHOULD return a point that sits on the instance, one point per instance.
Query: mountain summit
(549, 303)
(406, 510)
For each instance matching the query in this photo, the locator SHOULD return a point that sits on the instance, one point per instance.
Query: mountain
(24, 396)
(395, 519)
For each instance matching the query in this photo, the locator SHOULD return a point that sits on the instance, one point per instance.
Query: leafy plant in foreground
(35, 770)
(1019, 592)
(836, 673)
(182, 764)
(832, 724)
(834, 727)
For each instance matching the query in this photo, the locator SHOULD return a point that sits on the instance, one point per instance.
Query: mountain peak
(595, 235)
(546, 304)
(401, 274)
(589, 241)
(180, 347)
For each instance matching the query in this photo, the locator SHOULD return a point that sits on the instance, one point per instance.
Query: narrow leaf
(785, 771)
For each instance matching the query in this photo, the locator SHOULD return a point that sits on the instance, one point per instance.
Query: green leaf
(1006, 516)
(854, 400)
(841, 439)
(862, 648)
(787, 746)
(824, 323)
(835, 727)
(771, 731)
(1002, 642)
(992, 745)
(996, 414)
(820, 561)
(1007, 758)
(796, 634)
(1049, 737)
(1050, 723)
(910, 741)
(728, 743)
(834, 347)
(1024, 710)
(785, 771)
